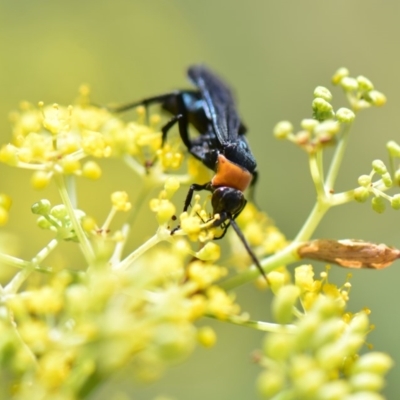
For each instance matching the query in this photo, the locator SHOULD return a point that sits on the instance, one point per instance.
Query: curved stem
(317, 213)
(161, 235)
(21, 276)
(258, 325)
(315, 163)
(337, 158)
(83, 240)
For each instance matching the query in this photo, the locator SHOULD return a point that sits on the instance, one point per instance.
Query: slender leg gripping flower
(67, 329)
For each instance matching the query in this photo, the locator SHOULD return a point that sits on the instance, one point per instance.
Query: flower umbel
(67, 328)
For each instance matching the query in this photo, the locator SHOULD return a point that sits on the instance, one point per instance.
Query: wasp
(221, 144)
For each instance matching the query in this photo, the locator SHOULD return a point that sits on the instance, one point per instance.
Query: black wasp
(221, 145)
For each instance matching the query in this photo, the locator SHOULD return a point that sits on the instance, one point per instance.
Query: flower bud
(210, 252)
(359, 323)
(394, 148)
(387, 180)
(43, 223)
(367, 381)
(206, 336)
(361, 194)
(395, 202)
(378, 99)
(364, 83)
(364, 180)
(376, 362)
(278, 346)
(42, 207)
(321, 106)
(309, 124)
(40, 179)
(344, 115)
(120, 201)
(165, 211)
(282, 305)
(378, 205)
(349, 84)
(171, 186)
(379, 167)
(283, 129)
(334, 390)
(59, 211)
(323, 92)
(270, 383)
(91, 170)
(339, 75)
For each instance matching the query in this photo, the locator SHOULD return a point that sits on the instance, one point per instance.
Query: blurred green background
(273, 53)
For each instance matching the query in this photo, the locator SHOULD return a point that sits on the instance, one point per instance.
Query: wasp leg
(145, 102)
(166, 128)
(252, 187)
(222, 221)
(194, 188)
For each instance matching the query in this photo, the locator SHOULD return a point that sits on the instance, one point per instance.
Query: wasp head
(228, 200)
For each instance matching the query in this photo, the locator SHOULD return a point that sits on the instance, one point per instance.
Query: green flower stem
(341, 198)
(115, 259)
(337, 158)
(83, 240)
(19, 263)
(285, 395)
(141, 198)
(258, 325)
(109, 218)
(283, 257)
(317, 213)
(134, 165)
(35, 167)
(26, 348)
(20, 277)
(70, 184)
(315, 163)
(161, 235)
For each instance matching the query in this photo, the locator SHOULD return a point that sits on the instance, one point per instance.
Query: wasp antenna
(246, 245)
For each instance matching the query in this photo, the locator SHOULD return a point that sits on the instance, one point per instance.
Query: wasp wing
(219, 103)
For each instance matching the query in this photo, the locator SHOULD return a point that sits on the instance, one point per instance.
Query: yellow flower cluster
(318, 358)
(56, 139)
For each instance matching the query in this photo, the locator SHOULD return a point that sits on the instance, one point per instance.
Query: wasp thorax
(227, 199)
